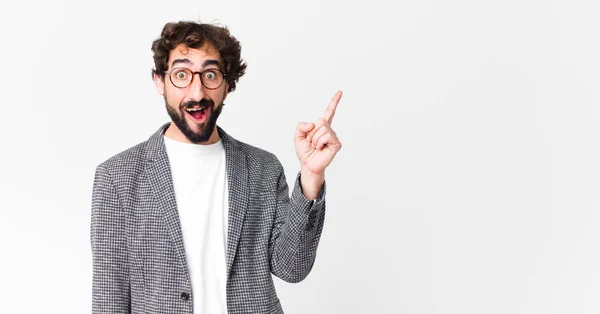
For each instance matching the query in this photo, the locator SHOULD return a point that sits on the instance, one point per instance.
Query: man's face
(194, 109)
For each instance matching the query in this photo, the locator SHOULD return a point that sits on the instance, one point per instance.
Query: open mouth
(198, 113)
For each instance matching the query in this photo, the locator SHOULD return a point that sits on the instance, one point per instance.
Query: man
(193, 220)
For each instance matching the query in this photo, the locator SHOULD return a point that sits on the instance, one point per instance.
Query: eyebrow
(210, 62)
(188, 62)
(176, 61)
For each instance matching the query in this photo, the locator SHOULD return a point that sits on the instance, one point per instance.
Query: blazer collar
(155, 148)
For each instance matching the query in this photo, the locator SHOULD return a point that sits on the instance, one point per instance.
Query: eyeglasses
(183, 77)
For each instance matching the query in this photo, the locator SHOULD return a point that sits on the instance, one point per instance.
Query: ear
(159, 83)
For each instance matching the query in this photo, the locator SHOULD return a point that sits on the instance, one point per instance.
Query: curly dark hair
(194, 35)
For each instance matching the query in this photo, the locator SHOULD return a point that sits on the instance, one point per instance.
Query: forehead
(196, 56)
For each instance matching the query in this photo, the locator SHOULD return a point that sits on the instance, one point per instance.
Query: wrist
(311, 183)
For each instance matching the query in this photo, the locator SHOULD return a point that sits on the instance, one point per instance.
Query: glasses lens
(181, 77)
(212, 78)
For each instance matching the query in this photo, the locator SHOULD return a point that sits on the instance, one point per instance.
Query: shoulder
(125, 168)
(134, 157)
(257, 159)
(257, 155)
(125, 159)
(265, 171)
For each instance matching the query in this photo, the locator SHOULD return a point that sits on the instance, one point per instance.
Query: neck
(175, 134)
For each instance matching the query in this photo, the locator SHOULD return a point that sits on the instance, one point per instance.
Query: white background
(469, 177)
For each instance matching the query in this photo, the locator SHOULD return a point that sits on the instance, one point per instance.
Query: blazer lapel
(159, 174)
(161, 181)
(237, 178)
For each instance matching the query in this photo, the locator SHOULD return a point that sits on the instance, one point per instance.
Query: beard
(206, 128)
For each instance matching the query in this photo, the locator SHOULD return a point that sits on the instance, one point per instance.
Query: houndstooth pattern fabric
(139, 263)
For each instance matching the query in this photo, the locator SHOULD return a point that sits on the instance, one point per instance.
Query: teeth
(193, 109)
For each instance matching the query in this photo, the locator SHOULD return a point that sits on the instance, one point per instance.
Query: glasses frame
(194, 75)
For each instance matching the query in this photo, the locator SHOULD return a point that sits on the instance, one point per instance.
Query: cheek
(174, 97)
(216, 96)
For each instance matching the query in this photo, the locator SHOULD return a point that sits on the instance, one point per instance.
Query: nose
(196, 91)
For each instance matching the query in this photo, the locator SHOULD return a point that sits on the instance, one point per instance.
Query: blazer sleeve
(110, 287)
(296, 231)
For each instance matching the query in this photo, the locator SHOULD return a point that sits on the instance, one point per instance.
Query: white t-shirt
(200, 182)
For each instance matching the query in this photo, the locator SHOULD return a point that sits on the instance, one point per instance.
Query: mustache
(203, 103)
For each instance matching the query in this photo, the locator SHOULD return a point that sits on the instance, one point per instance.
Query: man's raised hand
(317, 143)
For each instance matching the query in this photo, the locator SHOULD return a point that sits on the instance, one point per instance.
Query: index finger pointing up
(330, 111)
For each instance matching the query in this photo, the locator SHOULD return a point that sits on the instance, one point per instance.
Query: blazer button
(185, 296)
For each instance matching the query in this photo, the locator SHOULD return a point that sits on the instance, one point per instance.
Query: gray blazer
(139, 259)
